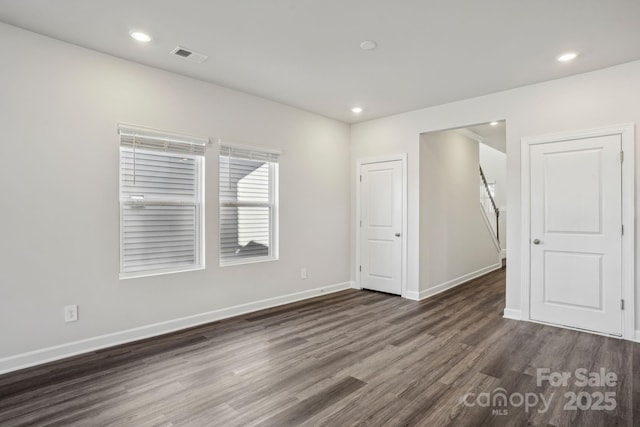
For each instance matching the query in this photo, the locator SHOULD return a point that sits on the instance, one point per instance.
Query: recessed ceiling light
(356, 110)
(368, 45)
(566, 57)
(140, 36)
(494, 123)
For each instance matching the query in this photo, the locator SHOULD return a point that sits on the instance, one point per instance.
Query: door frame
(626, 131)
(382, 159)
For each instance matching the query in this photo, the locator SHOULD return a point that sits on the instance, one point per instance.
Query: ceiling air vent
(189, 55)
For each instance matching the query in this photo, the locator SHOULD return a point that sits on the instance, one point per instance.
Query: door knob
(397, 234)
(536, 241)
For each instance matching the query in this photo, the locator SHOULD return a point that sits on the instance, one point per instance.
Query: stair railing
(493, 203)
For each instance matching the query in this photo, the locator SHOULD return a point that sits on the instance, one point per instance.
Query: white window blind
(161, 195)
(248, 204)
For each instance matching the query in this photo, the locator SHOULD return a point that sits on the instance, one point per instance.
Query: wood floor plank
(307, 408)
(351, 358)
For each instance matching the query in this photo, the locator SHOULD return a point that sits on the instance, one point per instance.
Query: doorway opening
(463, 213)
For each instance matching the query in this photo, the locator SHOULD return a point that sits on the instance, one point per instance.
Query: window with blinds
(248, 204)
(161, 194)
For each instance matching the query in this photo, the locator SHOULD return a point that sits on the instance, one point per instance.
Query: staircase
(489, 208)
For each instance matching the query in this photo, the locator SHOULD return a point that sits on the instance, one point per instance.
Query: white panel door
(576, 227)
(381, 226)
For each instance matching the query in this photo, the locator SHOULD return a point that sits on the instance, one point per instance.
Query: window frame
(273, 204)
(198, 203)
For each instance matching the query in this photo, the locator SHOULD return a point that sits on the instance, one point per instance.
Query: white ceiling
(306, 53)
(493, 136)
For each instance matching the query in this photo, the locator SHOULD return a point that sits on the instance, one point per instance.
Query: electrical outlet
(303, 273)
(71, 313)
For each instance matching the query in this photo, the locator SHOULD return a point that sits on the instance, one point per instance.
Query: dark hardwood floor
(349, 358)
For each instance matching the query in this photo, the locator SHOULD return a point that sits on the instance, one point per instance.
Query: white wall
(494, 166)
(600, 98)
(59, 108)
(455, 241)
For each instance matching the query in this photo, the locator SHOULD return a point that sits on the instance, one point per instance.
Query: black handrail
(493, 204)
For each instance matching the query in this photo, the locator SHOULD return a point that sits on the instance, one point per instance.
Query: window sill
(248, 261)
(125, 276)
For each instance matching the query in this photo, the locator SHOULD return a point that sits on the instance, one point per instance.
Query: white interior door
(381, 226)
(576, 228)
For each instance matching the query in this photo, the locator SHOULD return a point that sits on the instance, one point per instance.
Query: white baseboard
(50, 354)
(452, 283)
(638, 336)
(354, 285)
(503, 253)
(511, 313)
(412, 295)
